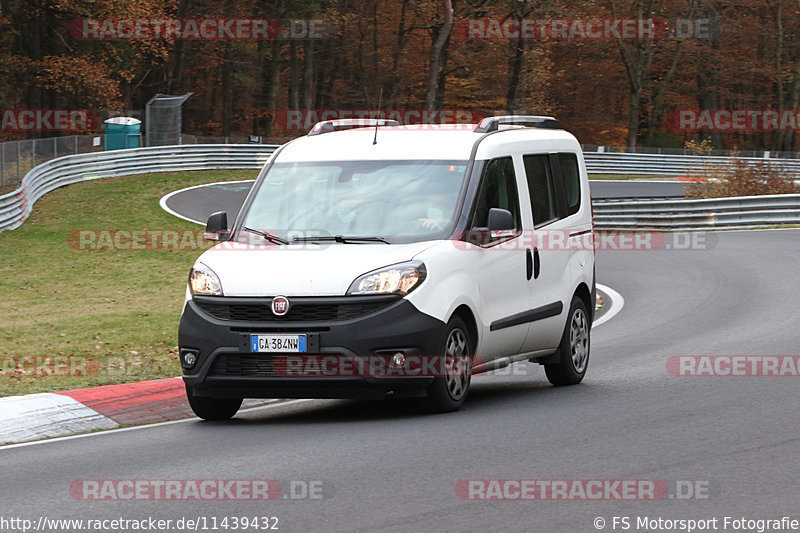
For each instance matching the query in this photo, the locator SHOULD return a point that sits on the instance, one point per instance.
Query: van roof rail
(529, 121)
(327, 126)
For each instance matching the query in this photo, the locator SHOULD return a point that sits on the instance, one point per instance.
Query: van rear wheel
(449, 390)
(213, 408)
(573, 352)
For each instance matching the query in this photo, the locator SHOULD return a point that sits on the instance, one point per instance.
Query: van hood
(301, 270)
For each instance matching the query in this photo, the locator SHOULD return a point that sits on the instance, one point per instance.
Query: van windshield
(398, 201)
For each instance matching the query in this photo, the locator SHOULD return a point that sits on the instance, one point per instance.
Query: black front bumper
(227, 368)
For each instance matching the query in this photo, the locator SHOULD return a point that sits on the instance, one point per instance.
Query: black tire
(573, 352)
(213, 408)
(448, 392)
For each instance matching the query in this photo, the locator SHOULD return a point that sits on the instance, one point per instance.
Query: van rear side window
(572, 181)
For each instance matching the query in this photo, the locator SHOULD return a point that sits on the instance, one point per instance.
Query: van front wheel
(573, 352)
(454, 369)
(213, 408)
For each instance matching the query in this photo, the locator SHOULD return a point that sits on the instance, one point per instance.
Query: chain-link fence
(18, 157)
(251, 139)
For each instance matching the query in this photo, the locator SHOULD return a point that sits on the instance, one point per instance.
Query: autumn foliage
(417, 53)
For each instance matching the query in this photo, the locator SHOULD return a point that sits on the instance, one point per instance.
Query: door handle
(528, 263)
(537, 266)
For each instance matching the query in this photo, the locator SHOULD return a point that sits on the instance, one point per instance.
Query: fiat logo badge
(280, 305)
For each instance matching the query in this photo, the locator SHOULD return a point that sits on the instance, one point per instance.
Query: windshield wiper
(268, 236)
(340, 238)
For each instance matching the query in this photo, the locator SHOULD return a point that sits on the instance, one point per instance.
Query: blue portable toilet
(123, 132)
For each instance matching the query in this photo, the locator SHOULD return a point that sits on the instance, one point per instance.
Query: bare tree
(436, 54)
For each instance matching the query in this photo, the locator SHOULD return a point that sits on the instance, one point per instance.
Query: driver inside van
(434, 220)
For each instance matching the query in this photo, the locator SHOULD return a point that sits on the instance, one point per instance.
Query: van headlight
(203, 281)
(394, 279)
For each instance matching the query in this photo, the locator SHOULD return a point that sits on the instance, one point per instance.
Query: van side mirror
(500, 220)
(217, 227)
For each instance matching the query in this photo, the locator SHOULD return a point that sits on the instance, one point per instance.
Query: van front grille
(248, 364)
(300, 309)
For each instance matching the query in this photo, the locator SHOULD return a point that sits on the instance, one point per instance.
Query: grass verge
(72, 318)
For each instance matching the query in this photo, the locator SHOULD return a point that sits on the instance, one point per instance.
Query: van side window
(498, 189)
(540, 188)
(572, 181)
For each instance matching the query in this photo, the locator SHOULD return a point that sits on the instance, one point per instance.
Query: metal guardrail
(664, 164)
(16, 205)
(704, 214)
(664, 215)
(17, 158)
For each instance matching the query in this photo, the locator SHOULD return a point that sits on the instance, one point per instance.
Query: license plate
(278, 343)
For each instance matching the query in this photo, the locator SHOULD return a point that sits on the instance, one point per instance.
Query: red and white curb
(55, 414)
(38, 416)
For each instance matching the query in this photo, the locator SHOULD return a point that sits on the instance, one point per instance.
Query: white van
(388, 261)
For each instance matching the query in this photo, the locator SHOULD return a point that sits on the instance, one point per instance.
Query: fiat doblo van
(374, 260)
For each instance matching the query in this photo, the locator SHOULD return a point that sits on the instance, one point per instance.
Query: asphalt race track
(382, 467)
(196, 203)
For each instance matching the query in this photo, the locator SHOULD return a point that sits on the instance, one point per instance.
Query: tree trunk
(515, 68)
(637, 66)
(436, 54)
(274, 82)
(394, 79)
(294, 77)
(227, 97)
(707, 99)
(777, 140)
(658, 99)
(176, 76)
(793, 100)
(308, 75)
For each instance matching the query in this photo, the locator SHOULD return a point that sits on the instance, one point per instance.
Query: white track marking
(163, 201)
(616, 304)
(145, 426)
